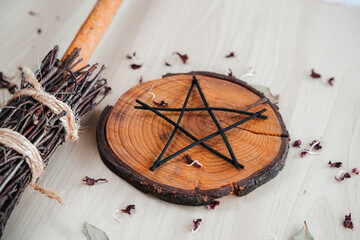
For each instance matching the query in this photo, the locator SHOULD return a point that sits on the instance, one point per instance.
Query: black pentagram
(201, 141)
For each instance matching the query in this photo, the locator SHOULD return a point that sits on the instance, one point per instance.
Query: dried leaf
(304, 234)
(93, 233)
(266, 91)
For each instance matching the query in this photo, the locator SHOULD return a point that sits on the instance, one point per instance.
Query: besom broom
(44, 112)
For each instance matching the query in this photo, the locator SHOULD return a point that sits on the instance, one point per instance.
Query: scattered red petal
(135, 66)
(314, 74)
(91, 181)
(347, 175)
(130, 56)
(184, 57)
(230, 55)
(213, 204)
(297, 143)
(128, 209)
(316, 145)
(167, 64)
(342, 175)
(230, 74)
(303, 153)
(188, 159)
(348, 222)
(160, 104)
(196, 224)
(335, 164)
(39, 31)
(331, 81)
(141, 79)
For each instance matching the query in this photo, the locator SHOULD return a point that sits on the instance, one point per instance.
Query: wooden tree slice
(130, 140)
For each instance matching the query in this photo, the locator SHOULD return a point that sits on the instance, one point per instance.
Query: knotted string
(49, 100)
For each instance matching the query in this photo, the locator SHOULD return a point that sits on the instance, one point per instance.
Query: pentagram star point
(221, 131)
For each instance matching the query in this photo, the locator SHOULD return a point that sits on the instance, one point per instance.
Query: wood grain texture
(130, 140)
(281, 39)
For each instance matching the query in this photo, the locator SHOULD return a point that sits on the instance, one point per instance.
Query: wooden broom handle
(92, 30)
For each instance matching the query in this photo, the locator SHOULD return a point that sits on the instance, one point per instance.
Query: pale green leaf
(266, 91)
(304, 234)
(93, 233)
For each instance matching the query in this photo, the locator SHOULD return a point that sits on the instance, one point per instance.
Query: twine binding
(22, 145)
(56, 106)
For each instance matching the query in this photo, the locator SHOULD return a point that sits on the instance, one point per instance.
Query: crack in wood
(265, 134)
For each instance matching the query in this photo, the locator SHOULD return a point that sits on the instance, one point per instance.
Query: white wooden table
(281, 40)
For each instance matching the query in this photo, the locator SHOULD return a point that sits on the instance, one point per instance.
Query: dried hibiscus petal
(135, 66)
(91, 181)
(191, 162)
(303, 153)
(331, 81)
(213, 204)
(167, 64)
(230, 73)
(297, 143)
(316, 145)
(230, 55)
(314, 74)
(335, 164)
(184, 57)
(341, 175)
(348, 222)
(128, 209)
(130, 56)
(160, 104)
(196, 225)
